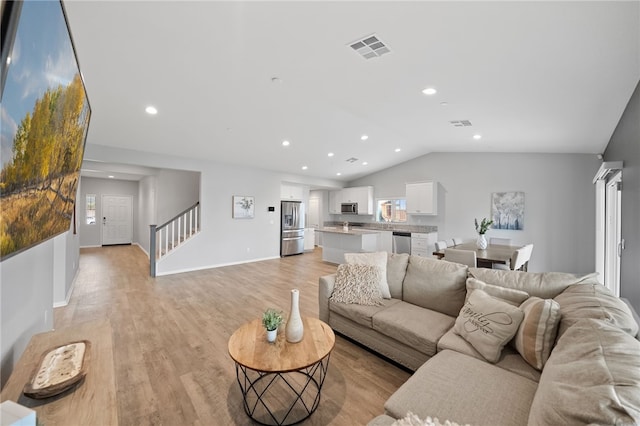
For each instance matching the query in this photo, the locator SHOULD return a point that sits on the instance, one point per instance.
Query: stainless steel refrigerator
(292, 228)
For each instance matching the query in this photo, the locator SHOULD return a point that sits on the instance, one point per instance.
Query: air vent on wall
(370, 47)
(351, 160)
(461, 123)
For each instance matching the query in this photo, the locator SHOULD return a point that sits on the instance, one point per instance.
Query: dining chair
(465, 257)
(441, 245)
(500, 241)
(519, 260)
(457, 240)
(450, 242)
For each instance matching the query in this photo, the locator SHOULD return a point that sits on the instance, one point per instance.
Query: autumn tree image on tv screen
(45, 118)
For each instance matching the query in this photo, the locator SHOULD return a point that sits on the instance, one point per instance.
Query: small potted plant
(271, 320)
(482, 229)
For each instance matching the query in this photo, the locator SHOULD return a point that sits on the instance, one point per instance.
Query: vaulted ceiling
(232, 80)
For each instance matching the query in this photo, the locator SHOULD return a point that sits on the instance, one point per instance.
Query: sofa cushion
(594, 301)
(545, 285)
(435, 284)
(510, 359)
(509, 295)
(591, 377)
(412, 325)
(537, 332)
(376, 259)
(488, 324)
(357, 284)
(396, 270)
(360, 314)
(464, 389)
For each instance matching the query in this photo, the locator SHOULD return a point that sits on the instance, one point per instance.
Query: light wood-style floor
(170, 337)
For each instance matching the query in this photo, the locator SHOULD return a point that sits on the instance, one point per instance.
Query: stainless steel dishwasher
(401, 242)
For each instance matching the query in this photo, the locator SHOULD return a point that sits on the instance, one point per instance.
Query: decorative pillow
(359, 284)
(509, 295)
(537, 333)
(376, 259)
(435, 284)
(487, 323)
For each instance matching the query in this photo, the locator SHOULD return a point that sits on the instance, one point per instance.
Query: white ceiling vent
(370, 47)
(351, 160)
(461, 123)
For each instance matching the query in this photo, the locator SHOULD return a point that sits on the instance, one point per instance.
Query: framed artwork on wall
(45, 120)
(507, 210)
(243, 207)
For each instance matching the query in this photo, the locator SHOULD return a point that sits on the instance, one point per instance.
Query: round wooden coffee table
(281, 381)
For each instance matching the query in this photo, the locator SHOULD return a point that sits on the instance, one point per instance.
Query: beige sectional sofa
(588, 373)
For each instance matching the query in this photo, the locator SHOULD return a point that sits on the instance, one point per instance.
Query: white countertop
(351, 231)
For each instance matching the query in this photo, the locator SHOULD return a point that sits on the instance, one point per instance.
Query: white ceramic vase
(272, 335)
(294, 329)
(481, 243)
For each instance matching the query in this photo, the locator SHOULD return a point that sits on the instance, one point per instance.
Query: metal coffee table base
(282, 398)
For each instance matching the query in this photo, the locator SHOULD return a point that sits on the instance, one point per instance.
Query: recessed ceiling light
(111, 176)
(429, 91)
(285, 143)
(330, 154)
(8, 60)
(397, 150)
(364, 163)
(338, 174)
(276, 80)
(151, 110)
(364, 137)
(477, 137)
(304, 167)
(444, 104)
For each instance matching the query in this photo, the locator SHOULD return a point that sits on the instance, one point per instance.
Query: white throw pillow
(376, 259)
(357, 284)
(488, 324)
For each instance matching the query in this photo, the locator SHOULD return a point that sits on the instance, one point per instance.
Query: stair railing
(172, 234)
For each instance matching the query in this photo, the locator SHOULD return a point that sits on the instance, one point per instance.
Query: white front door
(117, 218)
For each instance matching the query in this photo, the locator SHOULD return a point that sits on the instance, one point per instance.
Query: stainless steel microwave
(349, 208)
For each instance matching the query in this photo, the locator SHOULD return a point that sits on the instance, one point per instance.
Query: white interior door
(613, 238)
(117, 219)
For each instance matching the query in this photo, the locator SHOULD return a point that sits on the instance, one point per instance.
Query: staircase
(172, 234)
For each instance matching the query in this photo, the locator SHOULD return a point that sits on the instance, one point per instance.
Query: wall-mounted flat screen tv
(45, 119)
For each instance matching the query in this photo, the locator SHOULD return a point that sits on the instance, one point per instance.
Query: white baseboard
(219, 265)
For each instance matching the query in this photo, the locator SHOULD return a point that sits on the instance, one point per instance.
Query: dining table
(494, 253)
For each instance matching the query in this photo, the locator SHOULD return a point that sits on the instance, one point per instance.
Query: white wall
(177, 190)
(146, 209)
(559, 200)
(26, 301)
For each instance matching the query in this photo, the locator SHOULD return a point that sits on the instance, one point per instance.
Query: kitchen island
(336, 242)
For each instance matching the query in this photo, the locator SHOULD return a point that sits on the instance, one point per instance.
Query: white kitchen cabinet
(291, 192)
(335, 200)
(422, 198)
(363, 195)
(423, 244)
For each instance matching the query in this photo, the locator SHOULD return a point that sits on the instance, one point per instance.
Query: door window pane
(90, 209)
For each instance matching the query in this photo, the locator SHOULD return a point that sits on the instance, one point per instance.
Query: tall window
(391, 210)
(90, 209)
